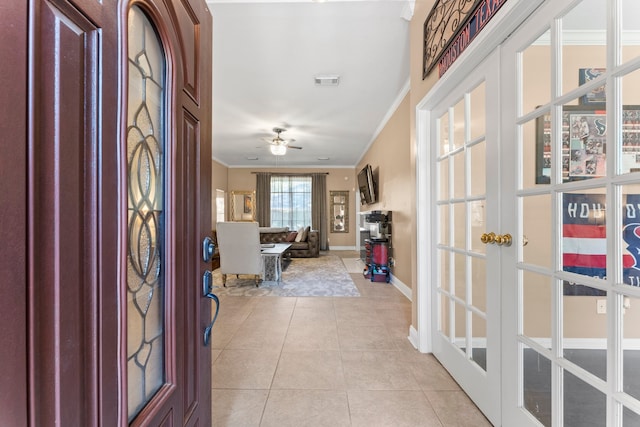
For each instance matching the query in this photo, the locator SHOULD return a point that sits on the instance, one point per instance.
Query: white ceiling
(265, 57)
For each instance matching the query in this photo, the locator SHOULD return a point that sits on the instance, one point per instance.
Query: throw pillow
(306, 234)
(292, 236)
(300, 235)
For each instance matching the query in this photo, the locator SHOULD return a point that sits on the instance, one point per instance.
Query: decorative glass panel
(145, 213)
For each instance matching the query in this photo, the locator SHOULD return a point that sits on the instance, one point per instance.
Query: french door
(536, 241)
(570, 289)
(467, 223)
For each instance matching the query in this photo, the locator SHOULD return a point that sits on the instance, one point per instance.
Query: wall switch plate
(601, 306)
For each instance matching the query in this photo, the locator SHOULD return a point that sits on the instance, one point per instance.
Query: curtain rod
(293, 174)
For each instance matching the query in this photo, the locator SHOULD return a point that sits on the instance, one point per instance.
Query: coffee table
(272, 256)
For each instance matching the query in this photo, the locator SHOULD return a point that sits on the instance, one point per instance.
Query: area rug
(324, 276)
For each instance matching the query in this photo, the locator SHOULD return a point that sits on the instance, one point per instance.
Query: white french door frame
(512, 14)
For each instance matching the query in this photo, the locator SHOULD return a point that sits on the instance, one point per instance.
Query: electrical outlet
(601, 306)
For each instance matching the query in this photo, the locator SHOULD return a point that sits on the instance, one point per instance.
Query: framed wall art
(584, 143)
(339, 211)
(597, 95)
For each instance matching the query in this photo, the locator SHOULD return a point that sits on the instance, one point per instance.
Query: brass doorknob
(488, 238)
(505, 240)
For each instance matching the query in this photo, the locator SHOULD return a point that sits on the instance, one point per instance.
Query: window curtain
(263, 199)
(319, 208)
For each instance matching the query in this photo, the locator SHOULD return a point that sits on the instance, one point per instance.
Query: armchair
(239, 244)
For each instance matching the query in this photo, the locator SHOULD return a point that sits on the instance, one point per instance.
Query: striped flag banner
(584, 239)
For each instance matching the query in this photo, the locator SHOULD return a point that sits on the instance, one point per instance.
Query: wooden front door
(69, 216)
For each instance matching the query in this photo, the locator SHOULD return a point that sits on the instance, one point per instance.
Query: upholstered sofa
(307, 248)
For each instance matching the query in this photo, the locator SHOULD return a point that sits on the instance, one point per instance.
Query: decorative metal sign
(450, 28)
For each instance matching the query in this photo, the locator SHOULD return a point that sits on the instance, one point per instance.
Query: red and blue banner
(584, 239)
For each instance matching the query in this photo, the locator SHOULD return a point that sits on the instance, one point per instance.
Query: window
(291, 201)
(220, 197)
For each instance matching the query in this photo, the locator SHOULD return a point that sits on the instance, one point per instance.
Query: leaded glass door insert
(145, 213)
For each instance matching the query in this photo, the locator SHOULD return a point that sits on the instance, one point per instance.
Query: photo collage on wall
(587, 143)
(584, 147)
(584, 135)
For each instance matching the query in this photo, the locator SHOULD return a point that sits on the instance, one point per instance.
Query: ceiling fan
(279, 145)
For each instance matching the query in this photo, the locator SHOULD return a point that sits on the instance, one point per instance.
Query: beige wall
(338, 179)
(218, 182)
(390, 157)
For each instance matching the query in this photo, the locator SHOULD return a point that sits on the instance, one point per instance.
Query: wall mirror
(339, 211)
(242, 206)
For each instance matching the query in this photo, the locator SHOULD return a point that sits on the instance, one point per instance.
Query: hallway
(329, 362)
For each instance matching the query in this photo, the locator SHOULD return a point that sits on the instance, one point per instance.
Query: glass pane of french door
(467, 334)
(572, 279)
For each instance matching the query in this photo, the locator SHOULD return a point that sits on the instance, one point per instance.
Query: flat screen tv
(367, 186)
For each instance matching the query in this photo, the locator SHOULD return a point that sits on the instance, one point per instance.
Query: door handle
(500, 240)
(207, 288)
(488, 238)
(505, 240)
(208, 248)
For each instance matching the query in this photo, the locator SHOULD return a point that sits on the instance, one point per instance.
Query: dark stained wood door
(63, 213)
(13, 213)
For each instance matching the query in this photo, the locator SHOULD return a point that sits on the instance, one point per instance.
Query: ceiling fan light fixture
(278, 150)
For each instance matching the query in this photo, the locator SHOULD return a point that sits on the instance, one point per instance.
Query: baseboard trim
(413, 337)
(404, 289)
(342, 248)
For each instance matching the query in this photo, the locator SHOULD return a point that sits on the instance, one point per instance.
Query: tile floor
(312, 361)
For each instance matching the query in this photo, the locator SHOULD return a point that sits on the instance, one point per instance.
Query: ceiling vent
(327, 80)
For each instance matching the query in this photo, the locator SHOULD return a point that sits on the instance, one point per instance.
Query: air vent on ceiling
(327, 80)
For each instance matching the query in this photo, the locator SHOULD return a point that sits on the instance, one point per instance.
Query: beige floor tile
(358, 316)
(391, 409)
(222, 332)
(364, 338)
(312, 370)
(337, 361)
(275, 303)
(280, 316)
(310, 315)
(377, 370)
(259, 335)
(431, 375)
(354, 303)
(235, 408)
(312, 336)
(306, 408)
(244, 369)
(454, 408)
(314, 302)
